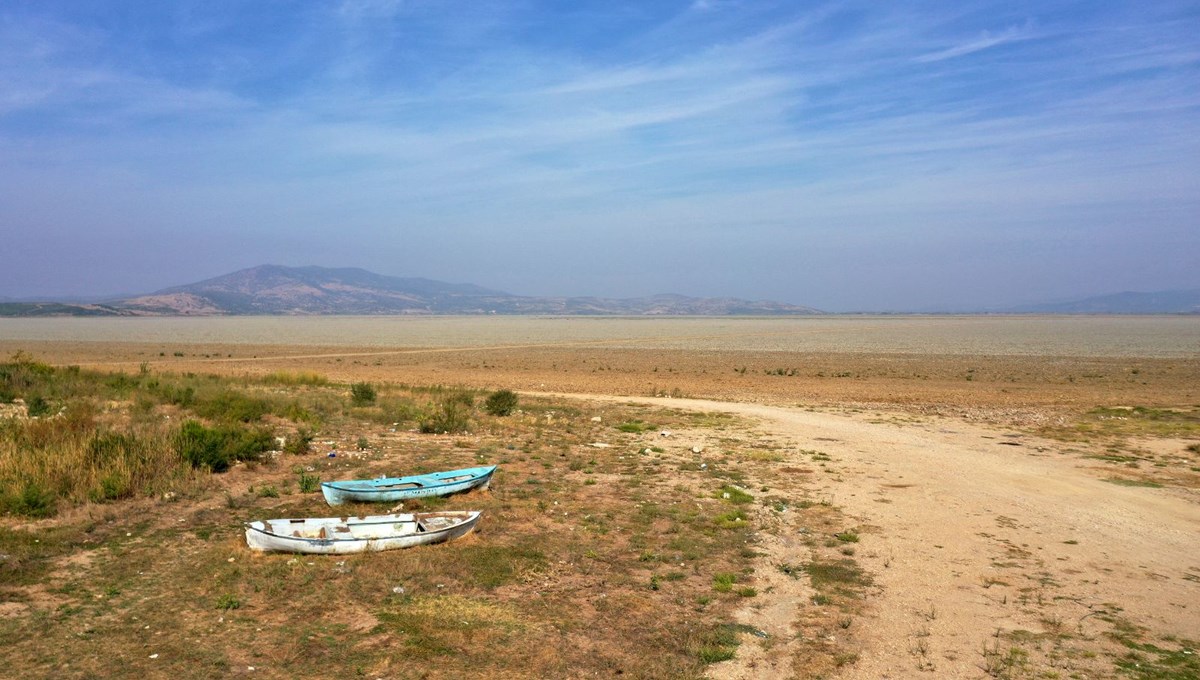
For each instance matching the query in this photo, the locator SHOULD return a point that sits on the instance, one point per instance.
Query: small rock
(399, 590)
(697, 449)
(153, 656)
(597, 419)
(600, 445)
(665, 433)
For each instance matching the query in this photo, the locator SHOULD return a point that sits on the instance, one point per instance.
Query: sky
(850, 156)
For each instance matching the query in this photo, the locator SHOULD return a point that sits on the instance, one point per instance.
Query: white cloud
(986, 40)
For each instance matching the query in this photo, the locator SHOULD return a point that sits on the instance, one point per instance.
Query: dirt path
(979, 540)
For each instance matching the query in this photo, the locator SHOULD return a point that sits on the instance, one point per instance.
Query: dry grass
(557, 575)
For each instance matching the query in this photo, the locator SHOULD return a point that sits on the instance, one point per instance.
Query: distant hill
(59, 309)
(1161, 302)
(273, 289)
(278, 290)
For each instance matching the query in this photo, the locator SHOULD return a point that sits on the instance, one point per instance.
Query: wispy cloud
(985, 40)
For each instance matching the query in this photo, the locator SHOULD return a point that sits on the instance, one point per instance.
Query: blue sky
(844, 155)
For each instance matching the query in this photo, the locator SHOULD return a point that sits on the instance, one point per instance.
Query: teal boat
(393, 489)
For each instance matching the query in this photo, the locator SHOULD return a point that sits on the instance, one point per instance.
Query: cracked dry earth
(978, 543)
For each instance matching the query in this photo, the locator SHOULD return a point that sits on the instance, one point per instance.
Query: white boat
(340, 535)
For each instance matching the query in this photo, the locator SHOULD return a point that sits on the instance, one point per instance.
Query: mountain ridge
(1184, 301)
(312, 290)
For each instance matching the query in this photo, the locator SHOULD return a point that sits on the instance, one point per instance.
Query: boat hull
(345, 535)
(395, 489)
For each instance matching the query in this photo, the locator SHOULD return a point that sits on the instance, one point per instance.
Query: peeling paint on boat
(340, 535)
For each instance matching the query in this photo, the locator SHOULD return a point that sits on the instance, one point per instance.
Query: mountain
(1161, 302)
(58, 309)
(278, 290)
(272, 289)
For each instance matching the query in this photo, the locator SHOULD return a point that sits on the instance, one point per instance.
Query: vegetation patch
(1134, 482)
(555, 558)
(734, 495)
(501, 403)
(635, 427)
(450, 413)
(216, 448)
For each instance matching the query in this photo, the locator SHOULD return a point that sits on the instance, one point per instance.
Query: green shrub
(228, 602)
(21, 375)
(501, 403)
(37, 406)
(174, 394)
(309, 483)
(362, 394)
(113, 486)
(848, 536)
(247, 443)
(202, 447)
(32, 500)
(450, 414)
(298, 413)
(300, 444)
(217, 448)
(233, 406)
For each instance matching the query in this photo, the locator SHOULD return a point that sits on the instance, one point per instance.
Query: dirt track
(967, 534)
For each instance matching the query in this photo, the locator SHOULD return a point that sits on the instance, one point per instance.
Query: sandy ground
(968, 535)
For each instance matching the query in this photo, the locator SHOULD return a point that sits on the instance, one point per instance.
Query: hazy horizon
(843, 155)
(112, 297)
(1077, 336)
